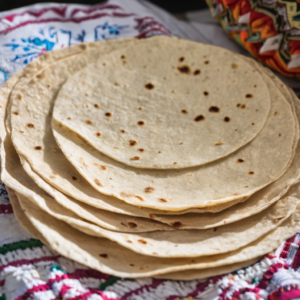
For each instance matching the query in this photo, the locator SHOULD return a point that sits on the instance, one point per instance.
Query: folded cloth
(28, 269)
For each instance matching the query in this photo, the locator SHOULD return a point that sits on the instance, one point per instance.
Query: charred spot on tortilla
(141, 123)
(104, 255)
(184, 69)
(149, 189)
(141, 241)
(162, 200)
(149, 86)
(135, 158)
(199, 118)
(132, 143)
(214, 109)
(132, 225)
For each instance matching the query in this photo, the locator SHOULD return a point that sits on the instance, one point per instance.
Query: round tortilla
(54, 161)
(108, 257)
(238, 175)
(183, 243)
(165, 103)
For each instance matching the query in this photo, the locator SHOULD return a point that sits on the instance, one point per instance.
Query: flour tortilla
(188, 221)
(187, 243)
(211, 184)
(206, 273)
(139, 105)
(125, 263)
(57, 163)
(181, 191)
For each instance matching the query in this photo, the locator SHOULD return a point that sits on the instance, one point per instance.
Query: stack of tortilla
(157, 157)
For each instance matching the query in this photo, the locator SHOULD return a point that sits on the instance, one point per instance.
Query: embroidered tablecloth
(30, 270)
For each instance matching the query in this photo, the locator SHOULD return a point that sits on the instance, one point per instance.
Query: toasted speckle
(104, 255)
(175, 163)
(226, 119)
(123, 57)
(197, 72)
(234, 66)
(97, 181)
(218, 143)
(240, 160)
(38, 148)
(20, 97)
(139, 197)
(199, 118)
(181, 59)
(141, 241)
(176, 224)
(184, 111)
(205, 93)
(149, 189)
(98, 134)
(108, 114)
(141, 123)
(89, 122)
(74, 178)
(141, 149)
(243, 106)
(250, 172)
(135, 158)
(162, 200)
(132, 225)
(184, 69)
(96, 106)
(140, 108)
(181, 143)
(275, 113)
(206, 62)
(214, 109)
(159, 152)
(249, 96)
(123, 131)
(15, 113)
(132, 143)
(149, 86)
(30, 125)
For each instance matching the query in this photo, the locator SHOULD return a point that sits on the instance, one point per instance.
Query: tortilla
(156, 104)
(108, 257)
(240, 174)
(170, 190)
(183, 243)
(78, 189)
(186, 221)
(205, 273)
